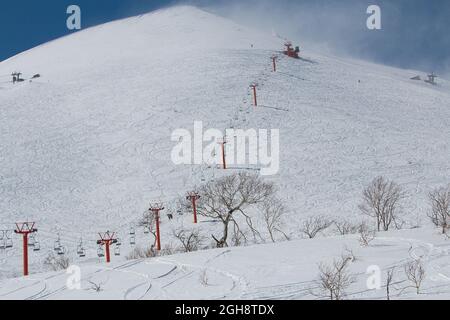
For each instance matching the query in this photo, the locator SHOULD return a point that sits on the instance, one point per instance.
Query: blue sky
(414, 34)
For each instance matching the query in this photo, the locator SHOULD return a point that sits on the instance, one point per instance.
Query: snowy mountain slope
(85, 147)
(286, 270)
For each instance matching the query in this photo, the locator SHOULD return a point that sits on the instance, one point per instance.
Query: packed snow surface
(273, 271)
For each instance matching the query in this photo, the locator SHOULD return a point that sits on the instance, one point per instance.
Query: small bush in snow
(345, 227)
(315, 224)
(440, 208)
(56, 262)
(191, 240)
(140, 253)
(415, 273)
(366, 234)
(335, 278)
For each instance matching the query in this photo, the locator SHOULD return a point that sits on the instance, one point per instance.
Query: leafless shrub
(169, 249)
(345, 227)
(140, 253)
(389, 281)
(350, 255)
(56, 262)
(222, 199)
(97, 287)
(148, 221)
(335, 278)
(366, 234)
(191, 240)
(440, 208)
(273, 214)
(315, 224)
(381, 200)
(415, 273)
(238, 236)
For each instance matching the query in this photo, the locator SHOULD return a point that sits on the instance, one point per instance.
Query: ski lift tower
(156, 208)
(106, 239)
(193, 197)
(290, 51)
(223, 142)
(432, 78)
(16, 77)
(253, 86)
(274, 63)
(25, 229)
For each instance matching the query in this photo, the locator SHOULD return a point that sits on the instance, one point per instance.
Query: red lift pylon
(274, 63)
(25, 228)
(106, 239)
(290, 51)
(222, 143)
(255, 101)
(193, 197)
(156, 208)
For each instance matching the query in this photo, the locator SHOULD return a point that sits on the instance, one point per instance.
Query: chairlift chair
(2, 240)
(81, 251)
(117, 251)
(132, 240)
(132, 231)
(8, 243)
(37, 246)
(146, 230)
(32, 240)
(100, 252)
(61, 251)
(57, 245)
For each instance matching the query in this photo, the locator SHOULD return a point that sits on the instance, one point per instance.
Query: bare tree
(440, 208)
(335, 278)
(273, 213)
(224, 198)
(389, 280)
(381, 200)
(345, 227)
(191, 240)
(415, 272)
(148, 221)
(366, 234)
(315, 224)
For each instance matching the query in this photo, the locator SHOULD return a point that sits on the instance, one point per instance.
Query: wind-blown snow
(85, 147)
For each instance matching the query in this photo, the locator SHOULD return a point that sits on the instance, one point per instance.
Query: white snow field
(285, 270)
(85, 148)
